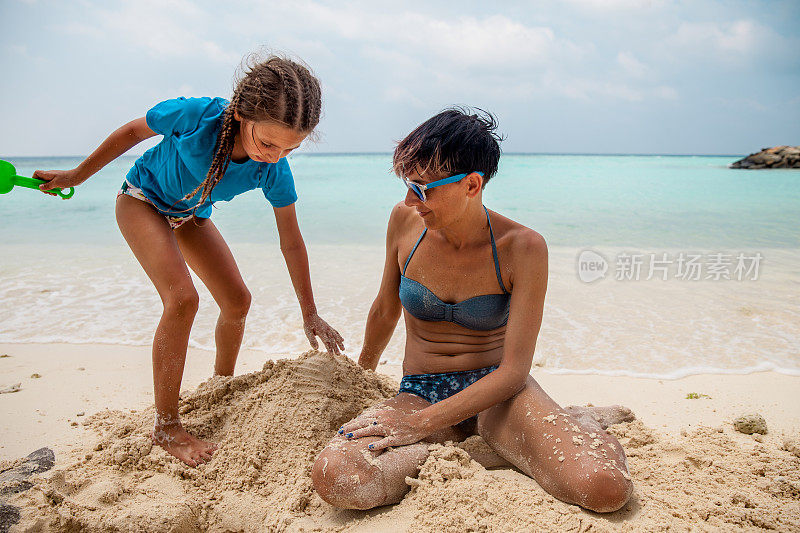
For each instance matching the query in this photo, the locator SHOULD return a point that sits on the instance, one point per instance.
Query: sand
(86, 378)
(272, 423)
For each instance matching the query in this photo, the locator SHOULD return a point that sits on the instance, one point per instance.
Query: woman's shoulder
(402, 221)
(401, 214)
(517, 239)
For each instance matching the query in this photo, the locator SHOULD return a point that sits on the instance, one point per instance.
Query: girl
(471, 284)
(212, 150)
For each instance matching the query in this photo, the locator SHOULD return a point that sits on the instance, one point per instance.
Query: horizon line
(618, 154)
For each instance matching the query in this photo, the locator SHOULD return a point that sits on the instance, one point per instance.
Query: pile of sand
(704, 482)
(271, 424)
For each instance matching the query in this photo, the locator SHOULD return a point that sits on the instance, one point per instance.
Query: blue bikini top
(484, 312)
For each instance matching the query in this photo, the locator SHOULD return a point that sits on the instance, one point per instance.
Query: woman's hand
(315, 327)
(396, 428)
(58, 179)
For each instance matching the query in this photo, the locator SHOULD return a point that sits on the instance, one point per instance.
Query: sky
(569, 76)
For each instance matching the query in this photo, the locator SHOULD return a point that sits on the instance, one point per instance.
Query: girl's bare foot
(179, 443)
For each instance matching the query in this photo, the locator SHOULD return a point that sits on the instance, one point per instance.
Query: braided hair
(275, 90)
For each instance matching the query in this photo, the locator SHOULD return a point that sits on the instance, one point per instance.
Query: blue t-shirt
(179, 163)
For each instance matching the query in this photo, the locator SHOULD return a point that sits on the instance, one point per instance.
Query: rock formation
(777, 157)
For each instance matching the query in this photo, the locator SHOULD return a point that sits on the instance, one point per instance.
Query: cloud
(19, 50)
(739, 36)
(616, 5)
(578, 88)
(665, 92)
(467, 41)
(164, 29)
(733, 43)
(468, 55)
(492, 42)
(631, 65)
(433, 57)
(403, 95)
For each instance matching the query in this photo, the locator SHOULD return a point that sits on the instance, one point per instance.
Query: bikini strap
(494, 254)
(414, 249)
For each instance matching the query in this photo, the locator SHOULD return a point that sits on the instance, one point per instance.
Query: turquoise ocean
(65, 260)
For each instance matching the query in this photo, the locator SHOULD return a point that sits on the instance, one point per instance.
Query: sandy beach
(91, 404)
(666, 287)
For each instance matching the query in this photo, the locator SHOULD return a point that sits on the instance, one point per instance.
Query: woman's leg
(567, 452)
(348, 475)
(150, 238)
(208, 255)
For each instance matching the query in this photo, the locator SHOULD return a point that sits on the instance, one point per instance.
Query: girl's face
(266, 142)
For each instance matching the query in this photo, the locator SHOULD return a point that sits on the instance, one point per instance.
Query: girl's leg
(348, 475)
(208, 255)
(567, 452)
(150, 238)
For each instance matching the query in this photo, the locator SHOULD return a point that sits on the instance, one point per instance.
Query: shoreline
(660, 329)
(763, 367)
(87, 378)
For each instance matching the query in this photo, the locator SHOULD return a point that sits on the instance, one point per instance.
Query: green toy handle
(9, 179)
(33, 183)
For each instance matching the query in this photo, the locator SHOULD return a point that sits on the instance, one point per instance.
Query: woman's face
(443, 204)
(266, 142)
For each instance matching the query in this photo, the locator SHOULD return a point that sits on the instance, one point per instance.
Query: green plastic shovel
(9, 178)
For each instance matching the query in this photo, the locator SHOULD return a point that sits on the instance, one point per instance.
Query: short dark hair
(457, 140)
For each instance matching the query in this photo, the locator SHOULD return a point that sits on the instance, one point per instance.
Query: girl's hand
(58, 179)
(315, 327)
(396, 428)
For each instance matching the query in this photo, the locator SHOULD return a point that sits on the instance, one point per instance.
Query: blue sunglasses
(420, 188)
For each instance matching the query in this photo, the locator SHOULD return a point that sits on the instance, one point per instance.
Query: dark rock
(43, 458)
(15, 480)
(775, 157)
(9, 515)
(13, 483)
(765, 158)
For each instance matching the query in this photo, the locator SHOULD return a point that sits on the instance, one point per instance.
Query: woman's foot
(179, 443)
(602, 416)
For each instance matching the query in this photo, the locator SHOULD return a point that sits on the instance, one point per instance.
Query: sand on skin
(272, 423)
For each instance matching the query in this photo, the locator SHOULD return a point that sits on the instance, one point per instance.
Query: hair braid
(289, 81)
(310, 99)
(275, 90)
(223, 149)
(300, 97)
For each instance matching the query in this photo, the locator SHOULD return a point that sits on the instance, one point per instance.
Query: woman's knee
(346, 481)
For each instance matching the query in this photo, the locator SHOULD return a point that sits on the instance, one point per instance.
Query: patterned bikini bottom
(135, 192)
(437, 387)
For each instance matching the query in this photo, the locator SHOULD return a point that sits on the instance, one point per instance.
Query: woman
(467, 363)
